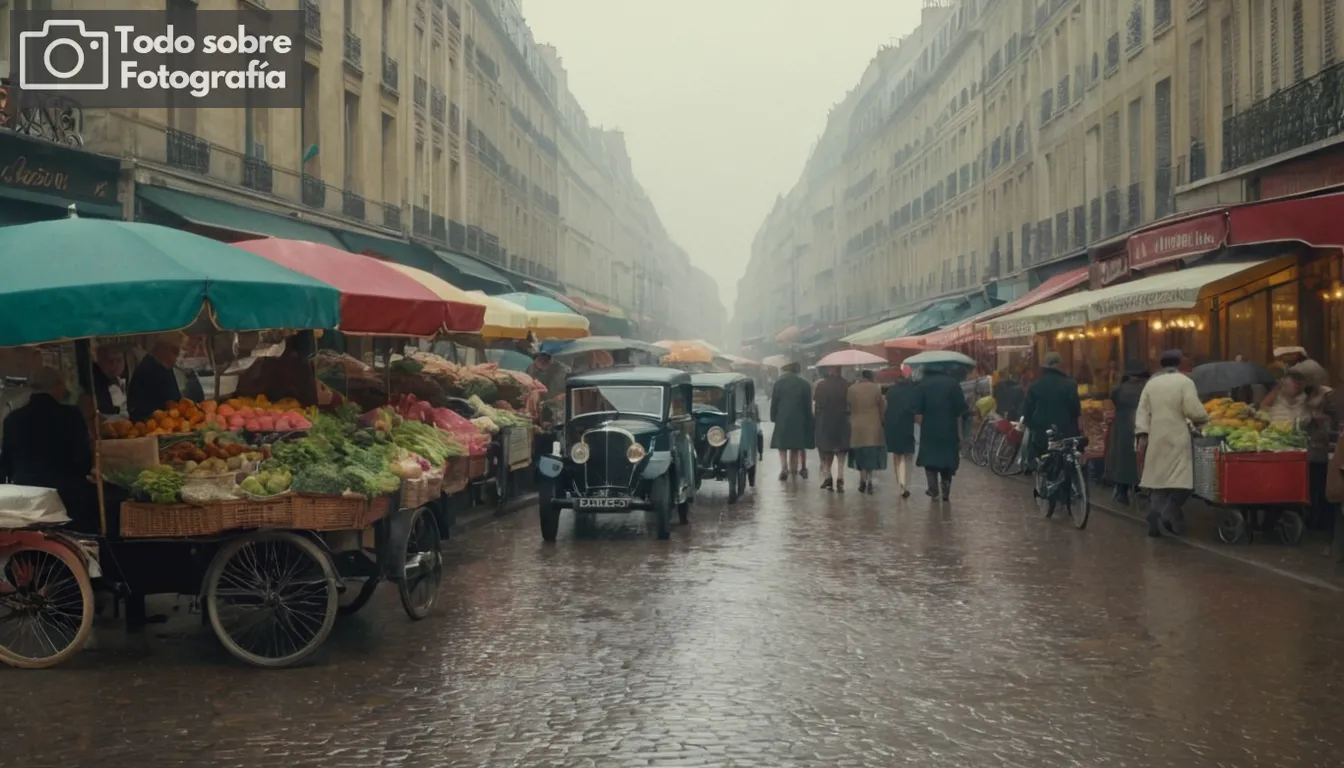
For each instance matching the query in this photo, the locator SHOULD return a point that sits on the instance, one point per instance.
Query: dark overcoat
(941, 406)
(1122, 462)
(902, 402)
(1052, 401)
(791, 414)
(832, 412)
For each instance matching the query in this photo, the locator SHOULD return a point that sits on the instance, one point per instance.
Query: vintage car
(625, 446)
(728, 442)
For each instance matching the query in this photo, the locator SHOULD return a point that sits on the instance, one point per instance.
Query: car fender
(659, 463)
(550, 466)
(733, 448)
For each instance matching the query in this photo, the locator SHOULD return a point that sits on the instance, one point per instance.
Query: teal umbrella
(509, 359)
(534, 303)
(79, 278)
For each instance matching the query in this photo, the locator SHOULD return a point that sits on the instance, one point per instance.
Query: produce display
(184, 416)
(430, 377)
(1245, 430)
(1096, 418)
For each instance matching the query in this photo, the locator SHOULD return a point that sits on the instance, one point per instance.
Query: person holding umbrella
(899, 423)
(831, 398)
(942, 408)
(1122, 461)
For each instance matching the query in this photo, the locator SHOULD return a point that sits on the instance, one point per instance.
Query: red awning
(1316, 221)
(376, 299)
(1065, 281)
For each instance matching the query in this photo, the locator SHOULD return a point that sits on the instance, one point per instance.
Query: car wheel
(660, 517)
(550, 516)
(751, 475)
(734, 480)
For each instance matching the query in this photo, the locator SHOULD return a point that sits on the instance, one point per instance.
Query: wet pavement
(796, 628)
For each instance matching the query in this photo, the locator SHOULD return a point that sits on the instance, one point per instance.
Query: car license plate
(602, 504)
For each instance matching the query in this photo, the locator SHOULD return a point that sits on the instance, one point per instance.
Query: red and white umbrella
(850, 357)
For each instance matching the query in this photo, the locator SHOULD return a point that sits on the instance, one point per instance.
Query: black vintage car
(728, 442)
(625, 446)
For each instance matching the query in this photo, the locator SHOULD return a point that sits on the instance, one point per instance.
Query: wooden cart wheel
(1231, 526)
(272, 598)
(423, 571)
(1290, 527)
(46, 604)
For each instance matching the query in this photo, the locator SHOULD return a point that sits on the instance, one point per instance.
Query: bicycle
(1061, 479)
(979, 450)
(1005, 451)
(46, 596)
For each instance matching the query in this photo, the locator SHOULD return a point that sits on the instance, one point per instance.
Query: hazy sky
(720, 100)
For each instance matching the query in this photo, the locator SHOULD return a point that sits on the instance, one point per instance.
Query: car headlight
(635, 453)
(578, 453)
(716, 437)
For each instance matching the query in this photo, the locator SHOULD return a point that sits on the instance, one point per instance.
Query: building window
(1299, 44)
(1135, 140)
(1229, 66)
(1197, 91)
(1329, 33)
(1258, 52)
(1274, 47)
(351, 142)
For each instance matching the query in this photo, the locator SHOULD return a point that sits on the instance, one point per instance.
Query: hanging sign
(1177, 241)
(1110, 270)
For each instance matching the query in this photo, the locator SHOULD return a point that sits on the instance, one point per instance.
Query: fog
(720, 100)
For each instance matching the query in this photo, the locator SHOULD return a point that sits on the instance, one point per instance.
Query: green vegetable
(302, 454)
(323, 478)
(362, 481)
(161, 484)
(424, 440)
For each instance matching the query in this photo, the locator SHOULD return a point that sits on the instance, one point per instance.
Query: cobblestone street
(798, 627)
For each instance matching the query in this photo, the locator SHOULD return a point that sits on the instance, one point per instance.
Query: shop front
(40, 181)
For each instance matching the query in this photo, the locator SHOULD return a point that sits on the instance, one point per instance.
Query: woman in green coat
(791, 414)
(941, 408)
(899, 426)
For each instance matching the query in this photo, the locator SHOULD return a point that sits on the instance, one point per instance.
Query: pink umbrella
(846, 357)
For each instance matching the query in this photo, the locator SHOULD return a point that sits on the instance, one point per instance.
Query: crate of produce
(518, 447)
(162, 521)
(376, 509)
(478, 467)
(417, 493)
(276, 512)
(455, 477)
(1246, 479)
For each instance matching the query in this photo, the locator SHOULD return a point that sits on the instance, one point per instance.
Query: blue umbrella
(599, 344)
(534, 303)
(509, 359)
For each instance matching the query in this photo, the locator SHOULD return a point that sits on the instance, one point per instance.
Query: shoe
(870, 489)
(783, 476)
(1171, 528)
(863, 487)
(1153, 530)
(905, 493)
(827, 484)
(839, 486)
(803, 473)
(947, 489)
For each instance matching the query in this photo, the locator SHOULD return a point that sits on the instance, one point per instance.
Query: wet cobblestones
(797, 628)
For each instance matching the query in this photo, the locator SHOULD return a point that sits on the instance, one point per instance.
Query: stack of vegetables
(185, 417)
(1246, 430)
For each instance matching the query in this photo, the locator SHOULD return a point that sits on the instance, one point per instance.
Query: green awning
(217, 214)
(883, 331)
(400, 251)
(472, 275)
(18, 211)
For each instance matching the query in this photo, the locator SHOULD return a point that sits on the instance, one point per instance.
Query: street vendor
(551, 375)
(109, 382)
(154, 381)
(289, 376)
(1297, 358)
(46, 445)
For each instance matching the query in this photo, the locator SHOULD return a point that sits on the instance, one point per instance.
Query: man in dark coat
(154, 382)
(1052, 403)
(46, 445)
(791, 414)
(1122, 461)
(831, 397)
(941, 408)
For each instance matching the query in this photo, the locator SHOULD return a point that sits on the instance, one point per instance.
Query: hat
(1285, 351)
(1312, 371)
(1052, 360)
(791, 367)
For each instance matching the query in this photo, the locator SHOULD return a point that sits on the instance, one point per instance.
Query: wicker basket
(478, 467)
(275, 512)
(415, 493)
(313, 512)
(456, 475)
(377, 508)
(433, 485)
(154, 521)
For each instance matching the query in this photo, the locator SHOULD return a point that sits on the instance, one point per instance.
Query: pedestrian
(791, 414)
(1168, 407)
(1122, 461)
(1008, 396)
(899, 421)
(1300, 401)
(46, 444)
(831, 397)
(941, 407)
(867, 449)
(1052, 403)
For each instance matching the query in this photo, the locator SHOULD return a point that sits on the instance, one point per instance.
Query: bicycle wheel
(1042, 490)
(46, 605)
(1080, 497)
(1003, 456)
(980, 445)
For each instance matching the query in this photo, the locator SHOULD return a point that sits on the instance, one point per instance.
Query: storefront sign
(1110, 270)
(1177, 241)
(1303, 176)
(1144, 301)
(59, 174)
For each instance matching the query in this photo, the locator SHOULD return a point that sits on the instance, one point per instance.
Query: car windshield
(646, 401)
(709, 397)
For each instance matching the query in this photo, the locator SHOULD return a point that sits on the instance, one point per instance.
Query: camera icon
(64, 56)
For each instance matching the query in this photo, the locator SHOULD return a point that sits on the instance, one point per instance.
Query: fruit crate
(518, 447)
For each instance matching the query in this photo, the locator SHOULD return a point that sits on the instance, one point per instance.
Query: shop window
(1283, 312)
(1247, 329)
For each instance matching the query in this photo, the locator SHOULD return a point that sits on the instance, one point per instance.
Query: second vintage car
(728, 441)
(626, 445)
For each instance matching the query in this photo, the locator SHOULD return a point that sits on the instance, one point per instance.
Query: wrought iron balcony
(312, 22)
(391, 76)
(1094, 219)
(314, 191)
(354, 51)
(258, 174)
(1307, 112)
(392, 216)
(1079, 226)
(473, 241)
(1062, 93)
(1047, 105)
(420, 221)
(57, 119)
(1113, 217)
(1113, 53)
(1164, 192)
(438, 105)
(457, 235)
(187, 151)
(438, 228)
(420, 91)
(1134, 37)
(352, 205)
(1135, 208)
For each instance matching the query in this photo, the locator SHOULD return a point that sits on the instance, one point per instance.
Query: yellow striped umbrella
(448, 292)
(503, 319)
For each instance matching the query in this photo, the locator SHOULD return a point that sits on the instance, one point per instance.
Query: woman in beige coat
(867, 441)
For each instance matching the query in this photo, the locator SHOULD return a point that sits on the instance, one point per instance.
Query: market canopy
(1182, 289)
(600, 344)
(893, 328)
(376, 299)
(535, 303)
(80, 278)
(210, 214)
(474, 275)
(503, 319)
(472, 304)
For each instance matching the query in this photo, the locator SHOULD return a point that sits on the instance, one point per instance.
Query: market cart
(1242, 485)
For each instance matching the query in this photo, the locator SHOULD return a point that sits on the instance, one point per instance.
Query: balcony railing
(1062, 93)
(420, 221)
(392, 216)
(1047, 106)
(391, 77)
(1113, 215)
(1135, 208)
(314, 191)
(352, 205)
(258, 174)
(1113, 53)
(354, 51)
(1164, 193)
(1134, 37)
(187, 151)
(1308, 112)
(438, 105)
(1079, 226)
(312, 22)
(420, 91)
(1094, 219)
(57, 119)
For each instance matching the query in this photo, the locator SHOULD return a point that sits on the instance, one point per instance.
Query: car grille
(607, 466)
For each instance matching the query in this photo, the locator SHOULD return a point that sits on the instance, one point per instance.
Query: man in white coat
(1168, 408)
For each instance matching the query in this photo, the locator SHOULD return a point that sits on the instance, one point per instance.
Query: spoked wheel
(1231, 526)
(1290, 527)
(355, 596)
(1041, 491)
(272, 598)
(734, 484)
(660, 517)
(1079, 498)
(423, 572)
(980, 445)
(1003, 456)
(46, 605)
